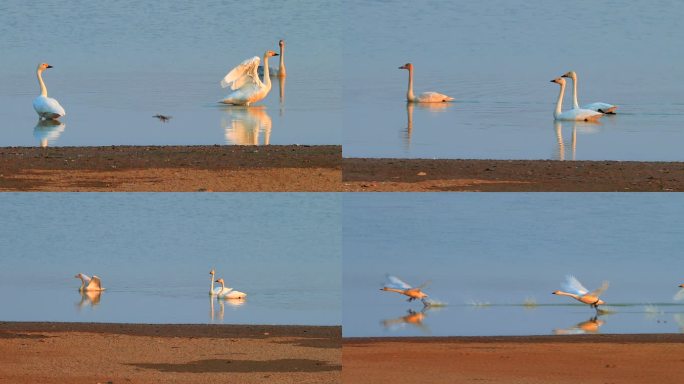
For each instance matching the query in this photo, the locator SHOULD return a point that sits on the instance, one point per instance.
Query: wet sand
(419, 175)
(291, 168)
(146, 353)
(597, 359)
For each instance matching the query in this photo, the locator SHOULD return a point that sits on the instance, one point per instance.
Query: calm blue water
(154, 252)
(497, 58)
(487, 254)
(119, 63)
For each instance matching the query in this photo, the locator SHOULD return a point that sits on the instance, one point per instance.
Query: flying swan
(245, 83)
(46, 107)
(576, 290)
(395, 284)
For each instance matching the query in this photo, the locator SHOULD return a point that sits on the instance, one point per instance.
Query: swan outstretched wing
(395, 282)
(94, 284)
(573, 285)
(245, 73)
(598, 291)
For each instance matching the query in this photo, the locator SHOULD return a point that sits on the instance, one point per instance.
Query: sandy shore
(597, 359)
(217, 168)
(139, 353)
(416, 175)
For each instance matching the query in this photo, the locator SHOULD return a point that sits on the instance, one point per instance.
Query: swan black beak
(49, 66)
(275, 54)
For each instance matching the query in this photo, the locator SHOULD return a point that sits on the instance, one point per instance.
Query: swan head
(220, 281)
(681, 285)
(281, 43)
(570, 74)
(44, 66)
(559, 80)
(212, 272)
(556, 292)
(270, 53)
(79, 276)
(408, 66)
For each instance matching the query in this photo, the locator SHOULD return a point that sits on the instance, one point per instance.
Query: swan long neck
(211, 290)
(281, 68)
(394, 290)
(561, 293)
(223, 286)
(559, 104)
(267, 75)
(575, 104)
(409, 93)
(43, 88)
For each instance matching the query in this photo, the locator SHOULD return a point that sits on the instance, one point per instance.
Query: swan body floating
(598, 107)
(573, 114)
(229, 293)
(245, 83)
(89, 284)
(280, 72)
(46, 107)
(425, 97)
(576, 290)
(395, 284)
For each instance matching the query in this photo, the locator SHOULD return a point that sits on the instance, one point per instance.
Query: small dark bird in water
(163, 118)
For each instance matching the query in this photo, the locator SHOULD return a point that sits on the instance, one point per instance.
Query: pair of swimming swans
(589, 112)
(46, 107)
(89, 284)
(395, 284)
(224, 292)
(576, 290)
(244, 79)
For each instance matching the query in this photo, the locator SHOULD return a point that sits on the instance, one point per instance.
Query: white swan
(213, 291)
(598, 107)
(573, 114)
(280, 72)
(577, 291)
(245, 82)
(89, 284)
(425, 97)
(46, 107)
(229, 293)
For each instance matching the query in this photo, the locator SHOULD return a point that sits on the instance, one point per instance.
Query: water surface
(496, 59)
(154, 252)
(118, 64)
(487, 255)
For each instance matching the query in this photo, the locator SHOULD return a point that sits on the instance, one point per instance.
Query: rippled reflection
(48, 131)
(281, 92)
(245, 125)
(433, 107)
(218, 314)
(412, 318)
(590, 326)
(576, 126)
(89, 299)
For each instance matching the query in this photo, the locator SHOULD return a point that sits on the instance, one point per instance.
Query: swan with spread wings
(576, 290)
(245, 83)
(395, 284)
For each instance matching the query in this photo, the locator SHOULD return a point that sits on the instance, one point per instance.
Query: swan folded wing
(395, 282)
(44, 104)
(573, 285)
(679, 295)
(434, 97)
(601, 107)
(94, 284)
(245, 73)
(598, 291)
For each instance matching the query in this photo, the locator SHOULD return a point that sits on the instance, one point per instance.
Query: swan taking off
(573, 114)
(229, 293)
(576, 290)
(425, 97)
(598, 107)
(46, 107)
(280, 72)
(245, 83)
(395, 284)
(89, 284)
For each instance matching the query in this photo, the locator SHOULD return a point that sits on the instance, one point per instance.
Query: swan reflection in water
(89, 299)
(244, 125)
(413, 318)
(590, 326)
(432, 107)
(48, 131)
(583, 127)
(281, 92)
(218, 315)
